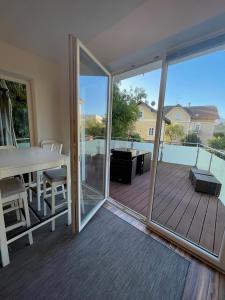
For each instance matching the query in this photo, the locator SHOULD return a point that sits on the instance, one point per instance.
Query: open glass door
(187, 184)
(90, 85)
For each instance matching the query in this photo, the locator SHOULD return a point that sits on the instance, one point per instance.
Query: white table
(20, 161)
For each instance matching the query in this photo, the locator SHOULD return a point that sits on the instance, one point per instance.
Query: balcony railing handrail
(212, 149)
(22, 139)
(167, 143)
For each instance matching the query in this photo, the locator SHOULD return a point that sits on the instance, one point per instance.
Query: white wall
(45, 85)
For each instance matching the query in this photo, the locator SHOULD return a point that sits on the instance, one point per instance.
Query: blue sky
(93, 91)
(200, 81)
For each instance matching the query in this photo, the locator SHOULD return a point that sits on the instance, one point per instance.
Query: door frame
(217, 262)
(74, 81)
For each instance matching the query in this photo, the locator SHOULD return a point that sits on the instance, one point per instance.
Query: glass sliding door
(93, 85)
(129, 181)
(187, 191)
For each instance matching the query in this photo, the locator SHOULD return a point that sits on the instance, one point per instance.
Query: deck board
(195, 229)
(220, 224)
(208, 230)
(196, 216)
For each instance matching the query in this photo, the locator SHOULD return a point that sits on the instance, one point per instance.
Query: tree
(191, 137)
(18, 96)
(217, 142)
(219, 134)
(125, 111)
(95, 128)
(136, 136)
(174, 132)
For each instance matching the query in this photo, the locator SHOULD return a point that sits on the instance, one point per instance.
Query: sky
(200, 81)
(93, 92)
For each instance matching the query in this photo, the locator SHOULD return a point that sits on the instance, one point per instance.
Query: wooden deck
(198, 217)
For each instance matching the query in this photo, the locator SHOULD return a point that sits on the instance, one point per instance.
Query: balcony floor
(196, 216)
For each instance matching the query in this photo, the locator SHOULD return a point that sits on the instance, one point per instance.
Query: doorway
(175, 156)
(134, 114)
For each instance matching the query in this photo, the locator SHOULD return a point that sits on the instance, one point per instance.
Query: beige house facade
(145, 125)
(198, 119)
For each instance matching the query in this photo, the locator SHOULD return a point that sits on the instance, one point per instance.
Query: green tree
(174, 132)
(217, 142)
(125, 111)
(95, 128)
(136, 136)
(18, 96)
(219, 134)
(191, 137)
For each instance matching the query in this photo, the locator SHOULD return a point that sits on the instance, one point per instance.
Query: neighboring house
(146, 123)
(96, 118)
(198, 119)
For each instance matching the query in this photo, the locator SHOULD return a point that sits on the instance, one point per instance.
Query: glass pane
(189, 196)
(134, 114)
(15, 124)
(93, 133)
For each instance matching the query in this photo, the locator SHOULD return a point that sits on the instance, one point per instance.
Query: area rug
(109, 259)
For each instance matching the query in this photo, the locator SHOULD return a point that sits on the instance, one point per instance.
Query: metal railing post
(210, 162)
(132, 144)
(198, 149)
(161, 153)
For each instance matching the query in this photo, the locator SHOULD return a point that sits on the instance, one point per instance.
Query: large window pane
(93, 133)
(193, 206)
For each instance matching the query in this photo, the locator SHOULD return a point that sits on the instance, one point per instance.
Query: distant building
(198, 119)
(145, 125)
(96, 118)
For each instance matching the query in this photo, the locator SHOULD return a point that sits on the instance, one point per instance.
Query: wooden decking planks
(196, 216)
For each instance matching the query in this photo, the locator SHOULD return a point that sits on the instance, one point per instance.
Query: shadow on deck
(196, 216)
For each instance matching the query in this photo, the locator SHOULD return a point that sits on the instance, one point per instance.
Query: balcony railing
(190, 154)
(23, 142)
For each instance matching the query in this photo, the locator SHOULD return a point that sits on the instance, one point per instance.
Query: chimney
(189, 104)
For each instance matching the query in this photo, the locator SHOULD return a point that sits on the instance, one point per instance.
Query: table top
(16, 161)
(134, 152)
(203, 172)
(206, 178)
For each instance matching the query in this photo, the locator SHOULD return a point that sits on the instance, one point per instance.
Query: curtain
(7, 133)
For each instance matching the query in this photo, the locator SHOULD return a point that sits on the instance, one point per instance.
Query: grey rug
(109, 259)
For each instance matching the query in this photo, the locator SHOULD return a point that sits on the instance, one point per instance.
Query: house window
(15, 129)
(141, 114)
(197, 127)
(151, 131)
(177, 116)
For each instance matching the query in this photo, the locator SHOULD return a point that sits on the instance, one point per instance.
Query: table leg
(68, 184)
(39, 190)
(3, 239)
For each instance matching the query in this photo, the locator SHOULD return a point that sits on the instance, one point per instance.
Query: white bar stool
(13, 197)
(55, 178)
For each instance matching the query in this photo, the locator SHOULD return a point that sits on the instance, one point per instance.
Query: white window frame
(30, 103)
(177, 116)
(197, 127)
(151, 131)
(141, 114)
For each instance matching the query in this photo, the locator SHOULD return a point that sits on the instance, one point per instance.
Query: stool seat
(11, 186)
(56, 175)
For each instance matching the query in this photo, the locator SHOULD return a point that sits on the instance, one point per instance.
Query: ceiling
(120, 33)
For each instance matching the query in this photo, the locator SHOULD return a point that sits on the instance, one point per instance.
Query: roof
(153, 110)
(197, 113)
